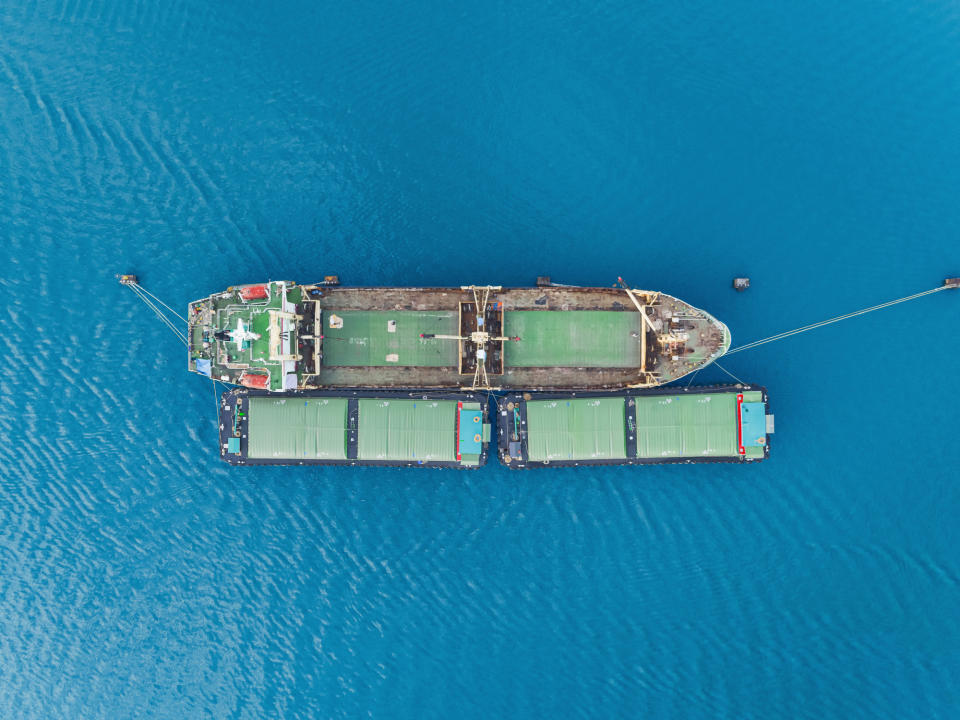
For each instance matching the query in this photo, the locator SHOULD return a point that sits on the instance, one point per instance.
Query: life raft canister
(254, 292)
(252, 380)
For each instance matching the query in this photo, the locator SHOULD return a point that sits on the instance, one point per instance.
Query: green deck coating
(406, 429)
(260, 349)
(574, 338)
(701, 425)
(295, 428)
(364, 339)
(576, 429)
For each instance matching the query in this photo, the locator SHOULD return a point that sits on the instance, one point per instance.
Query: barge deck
(354, 428)
(663, 425)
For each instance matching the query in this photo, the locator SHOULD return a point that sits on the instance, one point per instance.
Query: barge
(354, 428)
(281, 336)
(664, 425)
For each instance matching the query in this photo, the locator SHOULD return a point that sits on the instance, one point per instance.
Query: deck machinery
(280, 336)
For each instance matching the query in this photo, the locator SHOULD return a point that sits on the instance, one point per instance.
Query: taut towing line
(165, 314)
(948, 284)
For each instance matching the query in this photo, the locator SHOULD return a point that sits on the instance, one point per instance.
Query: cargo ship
(280, 336)
(342, 427)
(663, 425)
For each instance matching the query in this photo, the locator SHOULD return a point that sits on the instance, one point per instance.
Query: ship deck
(540, 338)
(254, 316)
(449, 377)
(591, 340)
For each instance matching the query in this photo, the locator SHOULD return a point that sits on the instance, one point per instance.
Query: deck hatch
(295, 428)
(576, 429)
(364, 338)
(575, 338)
(404, 430)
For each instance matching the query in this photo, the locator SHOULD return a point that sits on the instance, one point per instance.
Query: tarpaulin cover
(369, 338)
(572, 338)
(576, 429)
(293, 428)
(696, 425)
(407, 429)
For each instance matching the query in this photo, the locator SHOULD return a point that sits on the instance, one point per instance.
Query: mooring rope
(814, 326)
(729, 373)
(145, 296)
(138, 291)
(159, 313)
(178, 315)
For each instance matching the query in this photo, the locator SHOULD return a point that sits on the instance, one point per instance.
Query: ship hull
(543, 338)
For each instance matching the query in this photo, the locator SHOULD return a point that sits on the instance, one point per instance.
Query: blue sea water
(813, 146)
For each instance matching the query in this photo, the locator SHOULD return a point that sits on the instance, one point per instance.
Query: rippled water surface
(813, 146)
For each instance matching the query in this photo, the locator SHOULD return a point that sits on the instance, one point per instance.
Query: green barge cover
(407, 429)
(696, 425)
(297, 428)
(572, 338)
(700, 425)
(576, 429)
(360, 338)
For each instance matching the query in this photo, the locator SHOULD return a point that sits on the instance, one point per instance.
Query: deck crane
(648, 379)
(478, 336)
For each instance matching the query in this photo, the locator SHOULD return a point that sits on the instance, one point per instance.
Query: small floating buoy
(741, 283)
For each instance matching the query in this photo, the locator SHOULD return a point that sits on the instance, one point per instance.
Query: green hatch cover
(360, 338)
(572, 338)
(407, 429)
(292, 428)
(700, 425)
(576, 429)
